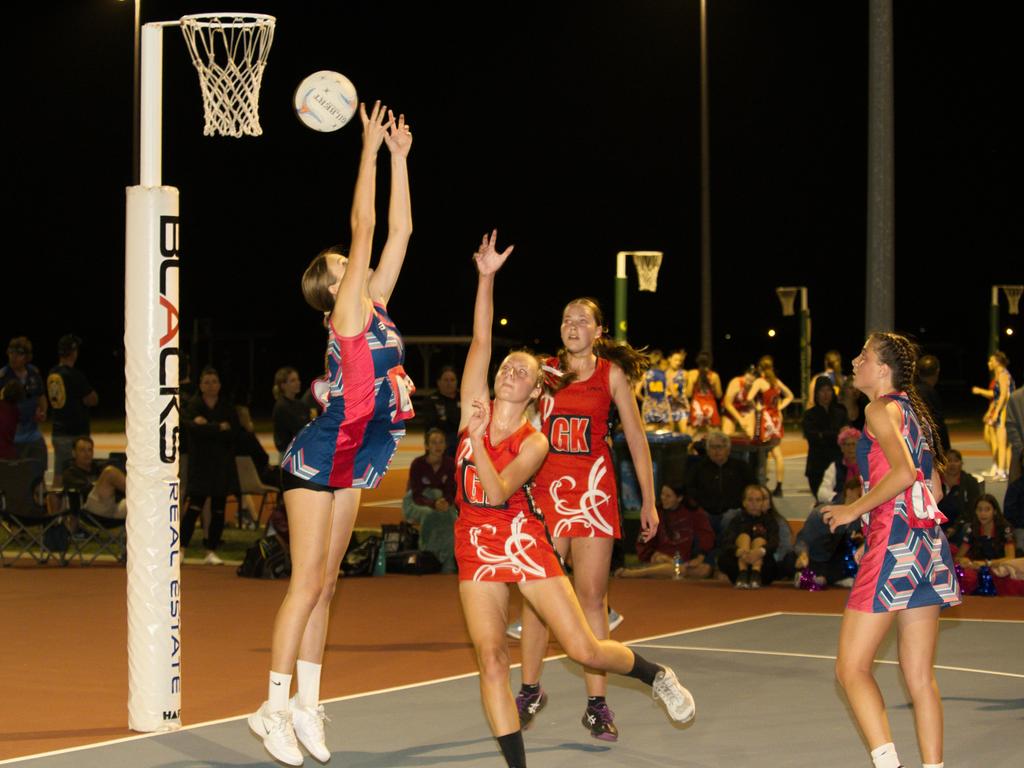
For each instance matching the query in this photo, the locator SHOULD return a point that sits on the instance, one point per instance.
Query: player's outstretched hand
(488, 260)
(479, 419)
(399, 135)
(375, 127)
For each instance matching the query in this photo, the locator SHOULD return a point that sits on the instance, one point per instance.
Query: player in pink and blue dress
(365, 396)
(906, 573)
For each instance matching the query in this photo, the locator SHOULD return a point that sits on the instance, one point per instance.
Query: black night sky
(571, 126)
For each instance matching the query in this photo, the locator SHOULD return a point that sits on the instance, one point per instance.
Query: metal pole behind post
(620, 296)
(705, 188)
(993, 322)
(805, 349)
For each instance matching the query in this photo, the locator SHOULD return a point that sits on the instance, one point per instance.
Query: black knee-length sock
(513, 749)
(643, 669)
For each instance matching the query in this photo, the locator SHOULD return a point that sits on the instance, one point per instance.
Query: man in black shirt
(71, 396)
(927, 378)
(717, 481)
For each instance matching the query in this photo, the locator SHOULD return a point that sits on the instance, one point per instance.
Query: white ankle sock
(309, 682)
(885, 756)
(933, 765)
(278, 691)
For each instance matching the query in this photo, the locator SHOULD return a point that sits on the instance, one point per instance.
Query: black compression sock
(593, 701)
(643, 669)
(513, 749)
(531, 688)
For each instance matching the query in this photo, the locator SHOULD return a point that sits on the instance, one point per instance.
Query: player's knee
(494, 662)
(582, 648)
(919, 679)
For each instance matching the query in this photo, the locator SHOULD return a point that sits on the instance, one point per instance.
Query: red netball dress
(575, 487)
(704, 407)
(768, 424)
(507, 542)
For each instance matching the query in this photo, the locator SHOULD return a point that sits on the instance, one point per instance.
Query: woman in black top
(212, 474)
(821, 424)
(291, 413)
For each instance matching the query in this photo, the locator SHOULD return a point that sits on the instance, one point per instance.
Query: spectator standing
(212, 474)
(429, 501)
(1015, 433)
(679, 404)
(821, 425)
(704, 390)
(11, 394)
(830, 491)
(29, 442)
(770, 397)
(71, 396)
(291, 413)
(739, 411)
(444, 409)
(927, 378)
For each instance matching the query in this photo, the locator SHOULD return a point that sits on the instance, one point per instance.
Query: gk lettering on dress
(570, 434)
(473, 490)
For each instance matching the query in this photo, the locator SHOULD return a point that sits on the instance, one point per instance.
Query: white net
(229, 52)
(1013, 293)
(787, 297)
(647, 264)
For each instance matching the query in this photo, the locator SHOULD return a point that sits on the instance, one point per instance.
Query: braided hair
(633, 362)
(901, 354)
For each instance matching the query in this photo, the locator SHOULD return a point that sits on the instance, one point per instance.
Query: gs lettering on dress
(570, 434)
(472, 489)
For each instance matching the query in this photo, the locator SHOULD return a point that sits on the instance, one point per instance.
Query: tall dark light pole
(880, 309)
(705, 194)
(135, 96)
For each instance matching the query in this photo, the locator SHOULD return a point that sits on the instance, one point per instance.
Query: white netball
(325, 101)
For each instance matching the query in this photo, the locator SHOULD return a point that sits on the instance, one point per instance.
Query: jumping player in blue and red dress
(500, 536)
(576, 489)
(906, 572)
(365, 396)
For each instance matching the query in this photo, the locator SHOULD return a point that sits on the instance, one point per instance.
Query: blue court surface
(765, 696)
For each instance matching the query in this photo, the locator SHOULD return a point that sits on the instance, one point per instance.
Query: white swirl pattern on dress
(588, 514)
(515, 557)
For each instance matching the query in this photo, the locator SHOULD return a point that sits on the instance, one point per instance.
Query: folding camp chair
(250, 484)
(24, 518)
(108, 534)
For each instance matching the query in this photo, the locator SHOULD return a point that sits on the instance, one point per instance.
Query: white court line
(351, 696)
(821, 656)
(941, 618)
(384, 503)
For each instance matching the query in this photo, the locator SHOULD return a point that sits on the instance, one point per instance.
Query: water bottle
(380, 565)
(677, 566)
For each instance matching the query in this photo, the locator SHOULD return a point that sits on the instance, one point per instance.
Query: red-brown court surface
(64, 668)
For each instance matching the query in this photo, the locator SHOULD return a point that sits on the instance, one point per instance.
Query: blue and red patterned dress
(906, 562)
(366, 399)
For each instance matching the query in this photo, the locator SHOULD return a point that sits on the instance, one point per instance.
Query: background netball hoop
(647, 264)
(787, 297)
(229, 51)
(1013, 293)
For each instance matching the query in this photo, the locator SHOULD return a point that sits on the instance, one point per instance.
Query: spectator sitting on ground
(845, 468)
(960, 492)
(12, 393)
(821, 425)
(987, 541)
(823, 551)
(99, 486)
(684, 532)
(785, 557)
(29, 442)
(444, 411)
(430, 499)
(716, 481)
(71, 396)
(748, 544)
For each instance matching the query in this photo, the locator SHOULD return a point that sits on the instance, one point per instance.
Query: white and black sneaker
(677, 700)
(308, 723)
(275, 728)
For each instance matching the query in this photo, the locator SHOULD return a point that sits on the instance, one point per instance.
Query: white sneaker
(515, 630)
(212, 559)
(275, 728)
(308, 723)
(614, 619)
(677, 700)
